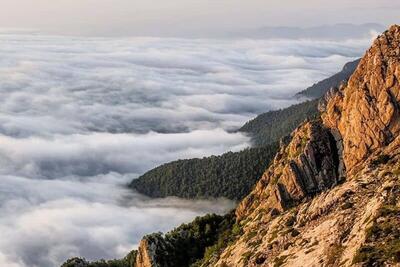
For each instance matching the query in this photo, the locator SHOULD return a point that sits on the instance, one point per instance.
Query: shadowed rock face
(308, 165)
(365, 111)
(147, 251)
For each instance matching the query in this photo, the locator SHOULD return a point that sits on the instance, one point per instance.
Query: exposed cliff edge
(366, 111)
(308, 165)
(356, 146)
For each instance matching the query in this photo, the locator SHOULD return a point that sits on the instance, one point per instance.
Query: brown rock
(307, 165)
(366, 111)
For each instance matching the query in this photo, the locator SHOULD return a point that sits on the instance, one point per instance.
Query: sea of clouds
(81, 117)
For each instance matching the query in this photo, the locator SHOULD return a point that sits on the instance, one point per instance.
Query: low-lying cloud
(81, 117)
(44, 222)
(57, 85)
(100, 153)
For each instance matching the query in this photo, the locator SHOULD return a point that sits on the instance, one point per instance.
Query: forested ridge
(271, 126)
(231, 175)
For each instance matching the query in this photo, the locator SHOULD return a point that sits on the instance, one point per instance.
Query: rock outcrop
(306, 166)
(149, 251)
(292, 219)
(366, 111)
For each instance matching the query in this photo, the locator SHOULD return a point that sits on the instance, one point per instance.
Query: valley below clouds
(81, 117)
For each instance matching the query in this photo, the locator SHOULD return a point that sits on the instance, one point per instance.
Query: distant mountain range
(336, 31)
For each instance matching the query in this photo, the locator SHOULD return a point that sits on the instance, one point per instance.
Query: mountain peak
(365, 112)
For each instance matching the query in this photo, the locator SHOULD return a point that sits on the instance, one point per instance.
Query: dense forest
(231, 175)
(128, 261)
(194, 243)
(271, 126)
(191, 244)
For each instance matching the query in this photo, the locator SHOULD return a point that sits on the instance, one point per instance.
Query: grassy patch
(250, 236)
(382, 245)
(274, 235)
(246, 257)
(334, 253)
(279, 261)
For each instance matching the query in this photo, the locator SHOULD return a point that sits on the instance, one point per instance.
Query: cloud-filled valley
(81, 117)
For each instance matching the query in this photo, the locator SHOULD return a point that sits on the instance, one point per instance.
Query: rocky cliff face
(366, 111)
(292, 219)
(146, 254)
(307, 165)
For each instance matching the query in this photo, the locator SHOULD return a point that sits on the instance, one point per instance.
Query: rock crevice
(307, 165)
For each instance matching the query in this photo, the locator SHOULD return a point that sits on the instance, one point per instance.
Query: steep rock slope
(366, 111)
(285, 223)
(304, 167)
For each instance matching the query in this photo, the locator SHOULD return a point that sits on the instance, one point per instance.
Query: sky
(186, 17)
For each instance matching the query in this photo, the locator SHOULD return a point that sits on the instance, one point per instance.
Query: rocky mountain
(331, 196)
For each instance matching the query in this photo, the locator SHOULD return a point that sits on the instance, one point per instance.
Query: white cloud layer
(101, 153)
(60, 85)
(49, 221)
(81, 117)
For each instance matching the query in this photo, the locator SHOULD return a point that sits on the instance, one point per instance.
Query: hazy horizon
(182, 18)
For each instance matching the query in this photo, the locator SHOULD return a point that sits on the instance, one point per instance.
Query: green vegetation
(382, 245)
(231, 175)
(270, 127)
(228, 231)
(194, 243)
(128, 261)
(279, 261)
